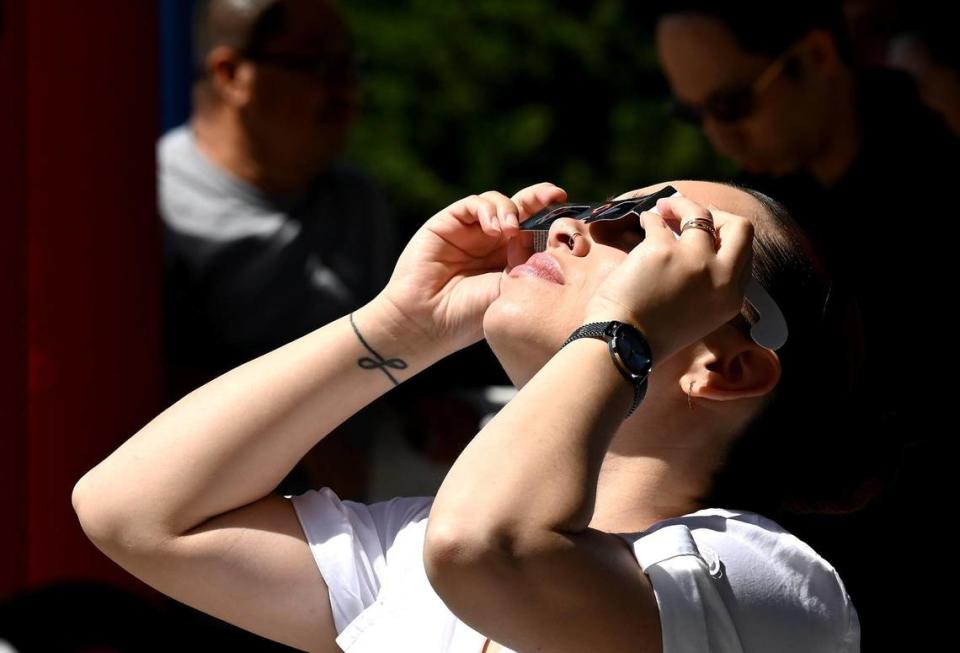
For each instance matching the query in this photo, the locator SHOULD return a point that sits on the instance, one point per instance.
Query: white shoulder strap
(671, 541)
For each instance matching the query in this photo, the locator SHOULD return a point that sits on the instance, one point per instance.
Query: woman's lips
(540, 265)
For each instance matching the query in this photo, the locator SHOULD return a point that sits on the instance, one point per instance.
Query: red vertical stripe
(79, 184)
(13, 300)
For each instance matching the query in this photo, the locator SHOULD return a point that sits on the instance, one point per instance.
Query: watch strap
(603, 331)
(591, 330)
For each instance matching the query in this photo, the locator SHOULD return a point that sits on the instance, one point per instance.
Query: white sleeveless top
(725, 581)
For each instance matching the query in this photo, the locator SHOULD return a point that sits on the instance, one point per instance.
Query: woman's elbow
(99, 528)
(452, 551)
(107, 526)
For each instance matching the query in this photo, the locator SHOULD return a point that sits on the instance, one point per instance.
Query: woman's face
(544, 299)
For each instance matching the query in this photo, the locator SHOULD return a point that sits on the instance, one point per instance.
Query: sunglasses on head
(769, 330)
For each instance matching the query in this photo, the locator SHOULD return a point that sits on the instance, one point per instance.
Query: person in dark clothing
(861, 164)
(269, 234)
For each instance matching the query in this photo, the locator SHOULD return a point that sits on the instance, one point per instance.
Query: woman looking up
(565, 525)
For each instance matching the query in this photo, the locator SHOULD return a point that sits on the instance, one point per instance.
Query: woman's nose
(570, 233)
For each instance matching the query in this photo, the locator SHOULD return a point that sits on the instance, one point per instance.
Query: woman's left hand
(677, 291)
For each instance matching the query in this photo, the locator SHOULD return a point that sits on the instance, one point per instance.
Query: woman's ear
(728, 366)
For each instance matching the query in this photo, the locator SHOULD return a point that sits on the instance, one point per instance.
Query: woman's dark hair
(816, 446)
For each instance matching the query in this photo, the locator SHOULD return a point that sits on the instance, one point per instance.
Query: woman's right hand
(450, 271)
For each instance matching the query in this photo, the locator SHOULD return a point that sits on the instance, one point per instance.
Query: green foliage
(464, 97)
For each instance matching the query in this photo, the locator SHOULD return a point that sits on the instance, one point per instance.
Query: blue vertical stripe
(176, 61)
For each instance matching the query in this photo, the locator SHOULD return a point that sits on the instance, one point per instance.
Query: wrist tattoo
(378, 361)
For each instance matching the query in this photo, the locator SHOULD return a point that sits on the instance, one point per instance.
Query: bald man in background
(268, 235)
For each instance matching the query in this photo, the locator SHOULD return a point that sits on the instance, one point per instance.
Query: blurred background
(462, 96)
(159, 229)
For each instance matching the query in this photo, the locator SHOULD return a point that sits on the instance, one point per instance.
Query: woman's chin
(508, 324)
(521, 342)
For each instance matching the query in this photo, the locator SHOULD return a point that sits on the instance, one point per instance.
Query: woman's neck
(636, 491)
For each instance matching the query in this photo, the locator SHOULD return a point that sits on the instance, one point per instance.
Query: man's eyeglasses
(328, 69)
(770, 328)
(735, 103)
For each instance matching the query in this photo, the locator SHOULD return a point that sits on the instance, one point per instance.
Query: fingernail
(495, 222)
(512, 218)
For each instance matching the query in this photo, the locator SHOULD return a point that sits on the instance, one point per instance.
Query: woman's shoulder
(725, 537)
(750, 572)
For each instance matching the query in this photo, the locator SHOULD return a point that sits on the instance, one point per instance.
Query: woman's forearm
(232, 441)
(535, 466)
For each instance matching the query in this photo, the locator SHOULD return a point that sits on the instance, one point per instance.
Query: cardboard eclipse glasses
(769, 331)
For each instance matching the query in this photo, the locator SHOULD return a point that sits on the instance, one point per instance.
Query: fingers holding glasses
(534, 198)
(504, 212)
(656, 229)
(726, 239)
(736, 251)
(496, 214)
(694, 222)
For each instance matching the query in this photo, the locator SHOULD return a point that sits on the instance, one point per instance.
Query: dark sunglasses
(735, 103)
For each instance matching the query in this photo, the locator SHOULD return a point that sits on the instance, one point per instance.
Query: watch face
(632, 352)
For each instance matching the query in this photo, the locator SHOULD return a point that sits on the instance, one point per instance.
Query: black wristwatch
(629, 350)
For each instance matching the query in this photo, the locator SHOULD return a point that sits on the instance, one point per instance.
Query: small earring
(689, 401)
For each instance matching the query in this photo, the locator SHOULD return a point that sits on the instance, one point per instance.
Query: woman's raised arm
(232, 441)
(185, 504)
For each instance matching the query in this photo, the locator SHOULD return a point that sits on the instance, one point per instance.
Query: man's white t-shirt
(725, 581)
